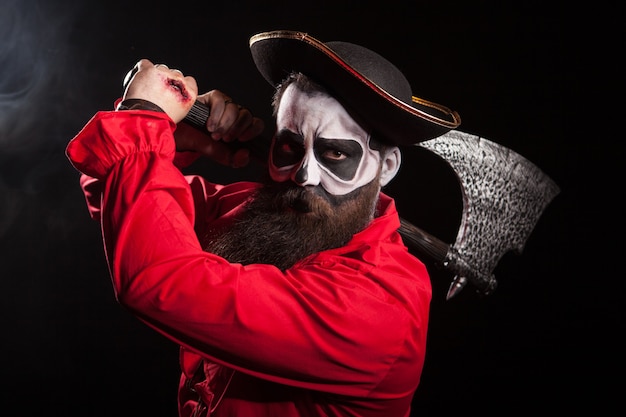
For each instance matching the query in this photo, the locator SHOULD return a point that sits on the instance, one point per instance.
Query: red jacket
(342, 333)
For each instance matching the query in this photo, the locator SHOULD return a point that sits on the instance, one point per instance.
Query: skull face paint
(318, 143)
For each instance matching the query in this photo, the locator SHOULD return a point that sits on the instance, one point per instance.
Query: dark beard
(283, 224)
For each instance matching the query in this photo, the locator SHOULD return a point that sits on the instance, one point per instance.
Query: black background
(529, 76)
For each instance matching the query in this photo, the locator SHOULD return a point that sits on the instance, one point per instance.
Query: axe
(503, 195)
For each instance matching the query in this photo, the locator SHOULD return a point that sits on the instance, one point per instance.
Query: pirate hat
(365, 81)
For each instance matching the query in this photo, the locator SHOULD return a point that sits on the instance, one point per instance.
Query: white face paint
(318, 143)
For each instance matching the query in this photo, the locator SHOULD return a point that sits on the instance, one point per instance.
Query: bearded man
(291, 296)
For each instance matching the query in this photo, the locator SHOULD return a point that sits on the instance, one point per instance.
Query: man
(291, 297)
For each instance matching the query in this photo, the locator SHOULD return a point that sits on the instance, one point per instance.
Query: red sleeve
(97, 164)
(306, 327)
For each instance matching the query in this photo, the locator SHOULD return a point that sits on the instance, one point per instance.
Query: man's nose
(308, 173)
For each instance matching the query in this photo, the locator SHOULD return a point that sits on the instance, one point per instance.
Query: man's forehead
(317, 114)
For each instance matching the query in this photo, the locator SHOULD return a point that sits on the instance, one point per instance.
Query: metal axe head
(504, 196)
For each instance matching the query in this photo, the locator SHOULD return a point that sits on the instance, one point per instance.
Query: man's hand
(167, 88)
(228, 122)
(175, 94)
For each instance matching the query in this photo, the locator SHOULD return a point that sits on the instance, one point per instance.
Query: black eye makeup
(288, 149)
(340, 156)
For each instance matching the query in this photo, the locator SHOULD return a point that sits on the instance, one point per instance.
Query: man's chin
(282, 225)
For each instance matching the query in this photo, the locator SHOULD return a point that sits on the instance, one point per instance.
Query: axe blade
(504, 196)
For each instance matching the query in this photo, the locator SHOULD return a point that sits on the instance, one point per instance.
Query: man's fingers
(227, 119)
(244, 126)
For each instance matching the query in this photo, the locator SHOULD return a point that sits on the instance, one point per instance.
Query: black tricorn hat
(368, 83)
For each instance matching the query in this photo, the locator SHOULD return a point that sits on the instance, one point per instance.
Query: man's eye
(287, 152)
(286, 148)
(334, 155)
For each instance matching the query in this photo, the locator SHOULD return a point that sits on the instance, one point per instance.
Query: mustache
(311, 199)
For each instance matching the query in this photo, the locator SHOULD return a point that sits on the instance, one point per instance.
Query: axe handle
(415, 237)
(197, 116)
(437, 250)
(423, 242)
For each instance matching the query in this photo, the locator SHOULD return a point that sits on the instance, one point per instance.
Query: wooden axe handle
(415, 237)
(423, 242)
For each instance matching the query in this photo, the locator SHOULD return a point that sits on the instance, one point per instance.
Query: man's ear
(390, 165)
